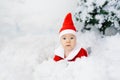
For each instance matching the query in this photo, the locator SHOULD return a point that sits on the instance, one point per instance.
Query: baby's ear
(89, 50)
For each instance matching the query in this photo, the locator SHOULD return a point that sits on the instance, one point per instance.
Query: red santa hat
(68, 26)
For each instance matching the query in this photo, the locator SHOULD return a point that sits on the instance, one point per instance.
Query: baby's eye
(72, 38)
(64, 38)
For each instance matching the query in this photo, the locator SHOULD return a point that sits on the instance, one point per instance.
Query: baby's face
(68, 41)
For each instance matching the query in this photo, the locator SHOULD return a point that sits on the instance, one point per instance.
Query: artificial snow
(25, 59)
(29, 36)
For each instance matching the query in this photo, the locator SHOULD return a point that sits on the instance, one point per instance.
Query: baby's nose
(68, 40)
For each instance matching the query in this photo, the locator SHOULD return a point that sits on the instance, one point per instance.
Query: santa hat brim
(67, 31)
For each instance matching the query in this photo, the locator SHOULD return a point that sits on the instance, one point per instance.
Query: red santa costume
(77, 52)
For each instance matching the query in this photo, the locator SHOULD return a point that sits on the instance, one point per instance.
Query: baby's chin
(69, 48)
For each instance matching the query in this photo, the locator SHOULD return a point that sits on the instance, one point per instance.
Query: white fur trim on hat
(68, 31)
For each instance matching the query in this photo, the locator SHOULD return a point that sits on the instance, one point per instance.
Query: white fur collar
(60, 52)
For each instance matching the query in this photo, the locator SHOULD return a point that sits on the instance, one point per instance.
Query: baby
(69, 49)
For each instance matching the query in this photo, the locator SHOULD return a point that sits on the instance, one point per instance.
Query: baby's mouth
(67, 45)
